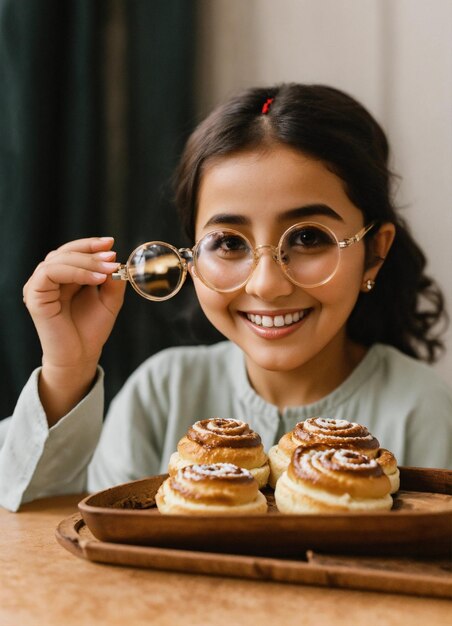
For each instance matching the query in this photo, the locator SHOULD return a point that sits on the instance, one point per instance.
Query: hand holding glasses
(224, 260)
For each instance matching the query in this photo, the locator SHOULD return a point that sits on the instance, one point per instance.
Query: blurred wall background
(395, 56)
(97, 97)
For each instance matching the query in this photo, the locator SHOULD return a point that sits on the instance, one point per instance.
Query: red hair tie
(266, 106)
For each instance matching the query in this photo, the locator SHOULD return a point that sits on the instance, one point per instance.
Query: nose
(268, 281)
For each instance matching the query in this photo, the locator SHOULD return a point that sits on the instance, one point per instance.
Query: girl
(301, 263)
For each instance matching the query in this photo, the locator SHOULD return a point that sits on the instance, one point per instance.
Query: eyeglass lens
(224, 260)
(309, 255)
(155, 270)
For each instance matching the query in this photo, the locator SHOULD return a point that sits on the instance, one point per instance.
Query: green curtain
(96, 99)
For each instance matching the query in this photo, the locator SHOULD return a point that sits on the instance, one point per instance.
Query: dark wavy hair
(327, 124)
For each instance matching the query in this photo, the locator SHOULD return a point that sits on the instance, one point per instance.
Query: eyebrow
(309, 210)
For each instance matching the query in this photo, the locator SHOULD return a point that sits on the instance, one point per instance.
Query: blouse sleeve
(36, 461)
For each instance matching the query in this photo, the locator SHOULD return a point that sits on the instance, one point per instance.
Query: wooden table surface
(41, 584)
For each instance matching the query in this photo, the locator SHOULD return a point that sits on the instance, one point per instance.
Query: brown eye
(310, 237)
(226, 245)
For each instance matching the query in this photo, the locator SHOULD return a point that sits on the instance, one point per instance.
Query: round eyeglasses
(224, 260)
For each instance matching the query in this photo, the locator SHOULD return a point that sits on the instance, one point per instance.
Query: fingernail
(106, 238)
(98, 276)
(106, 255)
(110, 266)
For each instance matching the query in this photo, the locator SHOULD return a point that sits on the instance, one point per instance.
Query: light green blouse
(400, 400)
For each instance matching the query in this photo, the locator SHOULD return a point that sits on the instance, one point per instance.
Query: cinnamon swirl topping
(321, 433)
(213, 471)
(219, 432)
(339, 471)
(216, 483)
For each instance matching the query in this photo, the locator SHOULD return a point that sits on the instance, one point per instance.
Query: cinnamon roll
(331, 481)
(388, 464)
(214, 489)
(318, 433)
(218, 440)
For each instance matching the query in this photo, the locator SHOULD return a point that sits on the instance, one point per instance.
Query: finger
(103, 261)
(52, 285)
(64, 265)
(49, 277)
(111, 294)
(67, 292)
(89, 244)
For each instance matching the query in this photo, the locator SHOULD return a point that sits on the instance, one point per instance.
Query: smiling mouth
(277, 321)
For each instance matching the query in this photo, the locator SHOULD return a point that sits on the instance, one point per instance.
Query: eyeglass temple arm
(121, 273)
(351, 240)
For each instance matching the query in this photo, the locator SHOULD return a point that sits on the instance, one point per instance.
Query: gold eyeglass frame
(186, 255)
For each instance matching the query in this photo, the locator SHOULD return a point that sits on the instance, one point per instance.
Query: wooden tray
(408, 576)
(420, 523)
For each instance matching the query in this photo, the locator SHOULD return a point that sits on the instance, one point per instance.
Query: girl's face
(261, 194)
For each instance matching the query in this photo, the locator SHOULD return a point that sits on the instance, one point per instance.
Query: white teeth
(278, 320)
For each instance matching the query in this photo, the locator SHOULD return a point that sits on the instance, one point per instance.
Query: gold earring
(369, 284)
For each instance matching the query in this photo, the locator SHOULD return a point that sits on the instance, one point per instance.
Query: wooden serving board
(419, 524)
(421, 577)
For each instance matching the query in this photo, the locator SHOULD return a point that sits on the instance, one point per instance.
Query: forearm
(62, 388)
